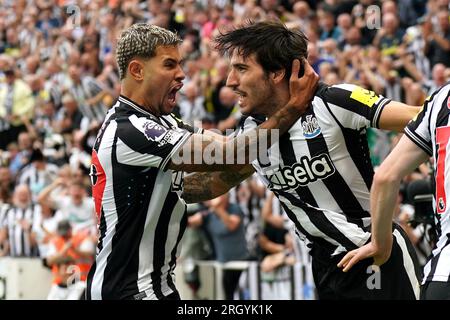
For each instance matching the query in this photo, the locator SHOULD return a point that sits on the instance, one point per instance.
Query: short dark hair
(37, 155)
(63, 228)
(141, 40)
(274, 45)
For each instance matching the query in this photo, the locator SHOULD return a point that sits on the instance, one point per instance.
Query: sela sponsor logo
(310, 126)
(303, 172)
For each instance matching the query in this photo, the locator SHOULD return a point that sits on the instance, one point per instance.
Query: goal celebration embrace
(225, 150)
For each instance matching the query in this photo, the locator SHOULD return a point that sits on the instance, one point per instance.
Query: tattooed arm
(203, 186)
(215, 155)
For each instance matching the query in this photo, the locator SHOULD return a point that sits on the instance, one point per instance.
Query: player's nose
(232, 79)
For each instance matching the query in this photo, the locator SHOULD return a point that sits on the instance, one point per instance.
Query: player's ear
(277, 76)
(136, 69)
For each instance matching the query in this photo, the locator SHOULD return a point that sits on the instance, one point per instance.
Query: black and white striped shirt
(36, 179)
(137, 200)
(321, 170)
(88, 88)
(18, 223)
(431, 132)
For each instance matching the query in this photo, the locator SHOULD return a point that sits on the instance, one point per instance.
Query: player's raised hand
(302, 89)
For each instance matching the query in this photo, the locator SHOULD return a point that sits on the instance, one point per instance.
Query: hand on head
(302, 89)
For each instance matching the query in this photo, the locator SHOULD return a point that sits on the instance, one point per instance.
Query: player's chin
(246, 110)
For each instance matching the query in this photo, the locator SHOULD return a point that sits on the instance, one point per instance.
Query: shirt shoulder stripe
(418, 141)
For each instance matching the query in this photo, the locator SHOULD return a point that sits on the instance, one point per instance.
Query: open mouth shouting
(172, 95)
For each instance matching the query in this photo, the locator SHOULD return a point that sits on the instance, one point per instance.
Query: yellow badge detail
(364, 96)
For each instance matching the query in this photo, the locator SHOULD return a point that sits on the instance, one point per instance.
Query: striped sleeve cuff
(199, 130)
(419, 141)
(376, 117)
(175, 149)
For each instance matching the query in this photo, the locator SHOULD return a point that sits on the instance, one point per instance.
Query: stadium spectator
(4, 243)
(16, 104)
(6, 185)
(18, 160)
(70, 256)
(277, 253)
(437, 42)
(38, 174)
(390, 36)
(249, 202)
(328, 26)
(229, 100)
(224, 224)
(76, 207)
(196, 247)
(301, 15)
(18, 219)
(218, 76)
(191, 107)
(70, 117)
(438, 79)
(78, 155)
(44, 229)
(88, 93)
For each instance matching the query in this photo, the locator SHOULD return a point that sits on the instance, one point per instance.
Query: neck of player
(280, 99)
(139, 97)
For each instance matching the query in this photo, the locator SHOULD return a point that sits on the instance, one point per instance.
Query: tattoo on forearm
(232, 178)
(197, 187)
(204, 186)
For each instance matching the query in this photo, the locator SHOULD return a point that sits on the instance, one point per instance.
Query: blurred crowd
(58, 77)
